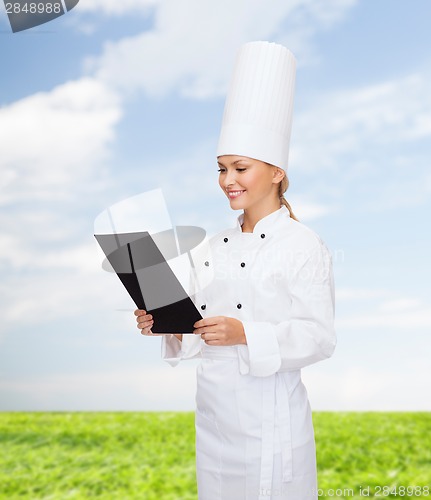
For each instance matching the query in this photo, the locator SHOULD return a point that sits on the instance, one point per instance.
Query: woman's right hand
(145, 322)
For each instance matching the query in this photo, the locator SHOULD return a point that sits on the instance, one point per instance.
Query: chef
(268, 310)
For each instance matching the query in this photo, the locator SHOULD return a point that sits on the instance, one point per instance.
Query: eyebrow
(233, 163)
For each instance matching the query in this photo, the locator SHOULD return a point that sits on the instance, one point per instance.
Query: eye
(221, 170)
(241, 169)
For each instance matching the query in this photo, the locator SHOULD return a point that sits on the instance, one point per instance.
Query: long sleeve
(174, 350)
(307, 335)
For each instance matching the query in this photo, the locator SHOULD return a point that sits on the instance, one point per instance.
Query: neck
(253, 215)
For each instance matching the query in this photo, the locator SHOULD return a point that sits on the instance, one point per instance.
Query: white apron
(248, 446)
(254, 433)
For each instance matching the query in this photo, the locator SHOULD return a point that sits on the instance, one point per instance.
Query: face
(249, 183)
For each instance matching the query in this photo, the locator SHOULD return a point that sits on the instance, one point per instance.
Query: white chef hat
(257, 116)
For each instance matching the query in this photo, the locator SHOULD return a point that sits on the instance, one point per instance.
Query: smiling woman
(268, 312)
(253, 182)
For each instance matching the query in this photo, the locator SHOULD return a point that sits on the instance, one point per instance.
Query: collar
(266, 223)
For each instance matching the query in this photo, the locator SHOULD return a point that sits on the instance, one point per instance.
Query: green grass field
(151, 455)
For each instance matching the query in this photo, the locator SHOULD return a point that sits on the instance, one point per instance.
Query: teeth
(235, 193)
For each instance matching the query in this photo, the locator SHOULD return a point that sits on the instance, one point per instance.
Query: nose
(229, 178)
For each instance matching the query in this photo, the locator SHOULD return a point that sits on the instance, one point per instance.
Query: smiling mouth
(235, 194)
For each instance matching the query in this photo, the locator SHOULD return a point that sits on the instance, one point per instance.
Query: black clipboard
(148, 278)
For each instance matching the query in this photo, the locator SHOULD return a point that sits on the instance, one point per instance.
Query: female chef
(268, 310)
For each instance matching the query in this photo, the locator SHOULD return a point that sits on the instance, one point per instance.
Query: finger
(212, 342)
(205, 329)
(139, 312)
(209, 338)
(145, 324)
(145, 317)
(207, 322)
(146, 331)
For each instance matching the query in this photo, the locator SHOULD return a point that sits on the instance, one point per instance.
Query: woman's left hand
(220, 330)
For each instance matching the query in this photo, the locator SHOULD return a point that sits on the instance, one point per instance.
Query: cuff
(261, 356)
(171, 349)
(174, 350)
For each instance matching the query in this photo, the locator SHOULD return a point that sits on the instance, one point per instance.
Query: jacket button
(262, 236)
(207, 263)
(239, 306)
(203, 307)
(225, 240)
(242, 264)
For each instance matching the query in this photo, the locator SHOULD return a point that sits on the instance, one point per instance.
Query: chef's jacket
(278, 281)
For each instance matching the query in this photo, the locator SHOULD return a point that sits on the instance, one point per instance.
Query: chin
(236, 208)
(236, 205)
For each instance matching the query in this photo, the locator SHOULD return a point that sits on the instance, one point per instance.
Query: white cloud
(75, 287)
(159, 387)
(418, 318)
(407, 313)
(355, 122)
(364, 388)
(401, 304)
(53, 148)
(306, 210)
(345, 293)
(116, 7)
(54, 141)
(410, 188)
(323, 12)
(369, 143)
(150, 388)
(193, 43)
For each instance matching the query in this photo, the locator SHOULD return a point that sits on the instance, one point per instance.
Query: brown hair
(282, 188)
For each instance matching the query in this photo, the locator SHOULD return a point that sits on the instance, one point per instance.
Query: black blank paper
(149, 280)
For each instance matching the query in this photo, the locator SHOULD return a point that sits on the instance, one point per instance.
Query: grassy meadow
(151, 455)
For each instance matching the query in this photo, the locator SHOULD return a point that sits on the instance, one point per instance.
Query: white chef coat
(254, 433)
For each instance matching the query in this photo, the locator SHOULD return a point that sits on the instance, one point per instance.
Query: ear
(278, 175)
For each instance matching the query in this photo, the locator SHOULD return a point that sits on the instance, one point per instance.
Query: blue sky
(120, 97)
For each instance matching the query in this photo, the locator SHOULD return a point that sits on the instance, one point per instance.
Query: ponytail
(282, 188)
